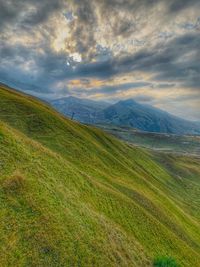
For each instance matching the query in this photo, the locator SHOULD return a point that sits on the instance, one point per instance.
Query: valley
(168, 143)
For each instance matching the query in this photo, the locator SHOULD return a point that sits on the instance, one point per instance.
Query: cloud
(178, 62)
(111, 89)
(178, 5)
(27, 13)
(153, 43)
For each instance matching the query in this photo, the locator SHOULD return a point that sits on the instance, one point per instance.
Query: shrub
(165, 262)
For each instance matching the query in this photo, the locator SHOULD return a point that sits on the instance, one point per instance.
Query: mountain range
(127, 113)
(73, 195)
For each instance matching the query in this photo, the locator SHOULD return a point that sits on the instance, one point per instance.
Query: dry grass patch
(14, 184)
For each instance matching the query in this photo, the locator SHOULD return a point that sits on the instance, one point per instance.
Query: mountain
(83, 110)
(126, 113)
(147, 118)
(72, 195)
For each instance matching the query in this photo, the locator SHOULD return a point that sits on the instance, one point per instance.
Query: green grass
(72, 195)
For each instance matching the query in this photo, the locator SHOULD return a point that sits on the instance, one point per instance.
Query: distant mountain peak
(126, 112)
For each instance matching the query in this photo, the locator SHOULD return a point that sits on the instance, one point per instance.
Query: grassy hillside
(72, 195)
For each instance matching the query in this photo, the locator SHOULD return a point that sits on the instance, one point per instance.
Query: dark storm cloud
(178, 61)
(36, 11)
(43, 9)
(177, 5)
(7, 13)
(182, 56)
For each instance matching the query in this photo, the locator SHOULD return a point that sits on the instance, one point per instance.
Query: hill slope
(72, 195)
(125, 113)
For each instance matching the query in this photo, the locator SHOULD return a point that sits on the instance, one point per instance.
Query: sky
(109, 50)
